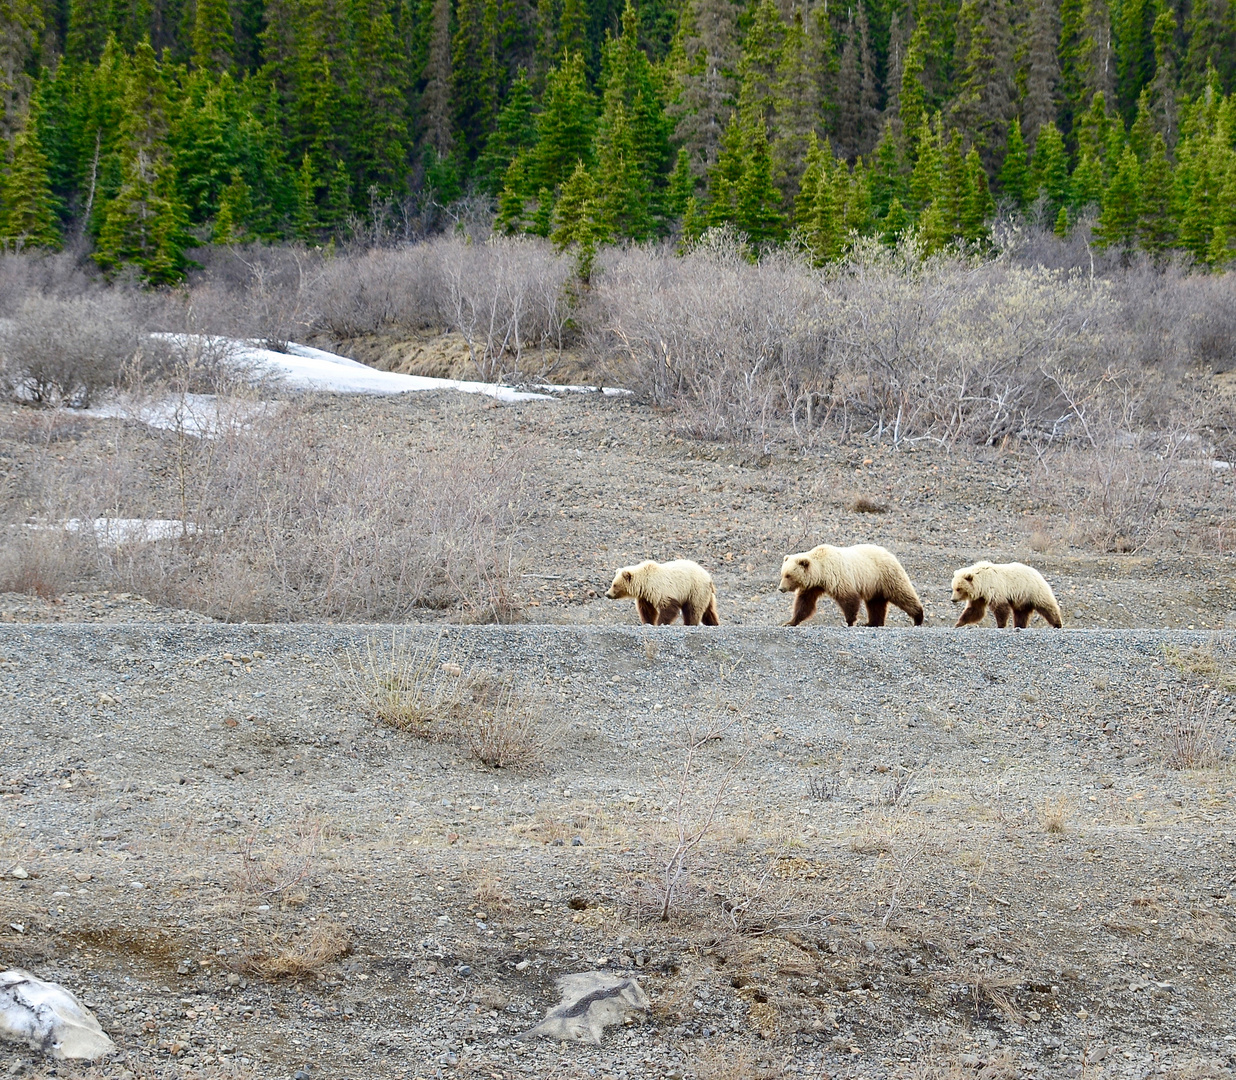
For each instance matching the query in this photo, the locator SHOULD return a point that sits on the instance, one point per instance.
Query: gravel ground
(938, 853)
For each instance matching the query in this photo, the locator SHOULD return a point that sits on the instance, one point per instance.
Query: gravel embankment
(893, 818)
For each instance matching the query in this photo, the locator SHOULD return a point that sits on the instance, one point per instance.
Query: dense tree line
(149, 126)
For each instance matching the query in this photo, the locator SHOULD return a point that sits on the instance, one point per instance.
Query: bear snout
(611, 595)
(783, 587)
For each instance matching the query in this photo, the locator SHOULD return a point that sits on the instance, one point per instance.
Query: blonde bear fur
(862, 574)
(662, 590)
(1008, 588)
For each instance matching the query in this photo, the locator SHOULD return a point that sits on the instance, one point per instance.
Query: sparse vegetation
(301, 955)
(1194, 732)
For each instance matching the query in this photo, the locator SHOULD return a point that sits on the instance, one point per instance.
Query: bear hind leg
(1021, 617)
(974, 612)
(877, 611)
(1052, 615)
(690, 617)
(804, 605)
(1002, 613)
(647, 613)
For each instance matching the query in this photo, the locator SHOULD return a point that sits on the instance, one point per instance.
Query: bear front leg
(849, 608)
(709, 618)
(647, 613)
(689, 615)
(1002, 613)
(877, 611)
(667, 614)
(1051, 616)
(804, 605)
(974, 612)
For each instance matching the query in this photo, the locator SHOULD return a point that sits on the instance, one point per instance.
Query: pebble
(19, 872)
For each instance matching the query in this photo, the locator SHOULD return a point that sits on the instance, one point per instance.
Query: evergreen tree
(1015, 172)
(566, 124)
(21, 23)
(145, 223)
(796, 103)
(814, 164)
(1118, 223)
(514, 133)
(624, 202)
(213, 40)
(475, 73)
(984, 102)
(1133, 46)
(895, 223)
(235, 212)
(680, 191)
(1086, 183)
(888, 176)
(705, 79)
(1049, 172)
(927, 175)
(757, 68)
(1156, 225)
(575, 219)
(1211, 33)
(826, 225)
(911, 98)
(978, 205)
(1163, 88)
(1042, 69)
(510, 217)
(379, 150)
(306, 222)
(90, 23)
(27, 207)
(757, 204)
(543, 215)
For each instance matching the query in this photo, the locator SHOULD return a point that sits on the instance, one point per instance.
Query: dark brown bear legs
(804, 606)
(647, 613)
(877, 611)
(974, 612)
(709, 618)
(668, 612)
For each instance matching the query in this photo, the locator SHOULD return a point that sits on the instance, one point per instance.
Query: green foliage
(272, 119)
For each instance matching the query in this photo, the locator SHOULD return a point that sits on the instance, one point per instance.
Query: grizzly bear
(1007, 588)
(862, 574)
(662, 590)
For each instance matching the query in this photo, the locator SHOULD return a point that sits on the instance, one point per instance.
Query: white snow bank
(314, 369)
(112, 532)
(45, 1016)
(202, 415)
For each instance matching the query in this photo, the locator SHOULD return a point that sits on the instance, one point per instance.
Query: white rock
(45, 1016)
(591, 1002)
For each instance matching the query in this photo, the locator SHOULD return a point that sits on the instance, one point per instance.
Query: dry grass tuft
(409, 685)
(1194, 733)
(733, 1062)
(1054, 816)
(301, 956)
(42, 562)
(860, 504)
(1215, 666)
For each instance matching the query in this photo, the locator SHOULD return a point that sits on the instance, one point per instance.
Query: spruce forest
(149, 127)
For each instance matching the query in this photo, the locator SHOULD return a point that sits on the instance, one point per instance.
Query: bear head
(964, 587)
(623, 584)
(796, 572)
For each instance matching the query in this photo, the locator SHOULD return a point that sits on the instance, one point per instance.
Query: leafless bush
(1055, 815)
(695, 795)
(277, 869)
(408, 684)
(288, 518)
(503, 728)
(66, 351)
(1194, 729)
(44, 562)
(376, 290)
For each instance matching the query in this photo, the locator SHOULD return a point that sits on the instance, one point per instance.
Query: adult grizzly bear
(1007, 588)
(862, 574)
(662, 590)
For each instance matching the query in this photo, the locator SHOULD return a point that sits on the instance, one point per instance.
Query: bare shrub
(503, 728)
(290, 519)
(301, 955)
(278, 869)
(695, 795)
(44, 562)
(861, 504)
(67, 351)
(1194, 729)
(408, 684)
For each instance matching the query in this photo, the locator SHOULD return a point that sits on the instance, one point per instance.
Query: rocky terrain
(933, 851)
(925, 853)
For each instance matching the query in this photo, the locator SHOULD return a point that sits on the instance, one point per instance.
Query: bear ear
(626, 575)
(804, 562)
(969, 577)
